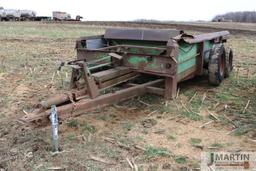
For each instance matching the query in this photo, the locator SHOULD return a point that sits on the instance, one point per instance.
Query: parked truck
(60, 16)
(63, 16)
(20, 15)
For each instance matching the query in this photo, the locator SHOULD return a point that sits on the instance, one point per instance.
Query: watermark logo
(228, 161)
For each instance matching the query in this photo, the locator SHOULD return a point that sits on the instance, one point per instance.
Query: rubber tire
(215, 73)
(228, 63)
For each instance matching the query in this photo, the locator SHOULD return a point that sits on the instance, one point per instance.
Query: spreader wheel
(229, 63)
(216, 66)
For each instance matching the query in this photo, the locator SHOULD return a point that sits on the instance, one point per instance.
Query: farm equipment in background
(9, 14)
(60, 16)
(2, 13)
(29, 15)
(63, 16)
(125, 63)
(78, 18)
(16, 15)
(20, 15)
(26, 15)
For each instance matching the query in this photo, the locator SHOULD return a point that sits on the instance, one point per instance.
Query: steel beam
(85, 105)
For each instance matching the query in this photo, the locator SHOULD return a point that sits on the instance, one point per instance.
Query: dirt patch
(2, 76)
(20, 90)
(234, 28)
(178, 135)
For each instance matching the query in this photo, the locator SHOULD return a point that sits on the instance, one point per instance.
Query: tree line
(245, 17)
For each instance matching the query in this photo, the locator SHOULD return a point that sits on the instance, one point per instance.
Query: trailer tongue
(125, 63)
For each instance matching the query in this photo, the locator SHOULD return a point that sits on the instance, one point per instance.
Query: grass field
(154, 135)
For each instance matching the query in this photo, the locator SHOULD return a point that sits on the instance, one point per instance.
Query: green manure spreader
(125, 63)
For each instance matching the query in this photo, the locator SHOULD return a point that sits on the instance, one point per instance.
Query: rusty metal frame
(141, 34)
(84, 105)
(78, 101)
(222, 35)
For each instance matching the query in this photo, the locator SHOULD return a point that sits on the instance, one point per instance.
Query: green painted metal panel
(187, 56)
(144, 51)
(141, 43)
(186, 65)
(137, 60)
(103, 57)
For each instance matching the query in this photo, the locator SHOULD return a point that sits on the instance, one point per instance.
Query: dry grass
(29, 56)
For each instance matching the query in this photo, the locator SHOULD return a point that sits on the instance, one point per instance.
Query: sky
(124, 10)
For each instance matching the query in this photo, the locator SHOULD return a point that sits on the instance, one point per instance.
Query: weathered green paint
(99, 66)
(183, 74)
(137, 60)
(102, 57)
(141, 43)
(144, 51)
(187, 56)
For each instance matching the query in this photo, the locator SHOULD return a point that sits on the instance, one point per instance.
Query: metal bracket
(91, 85)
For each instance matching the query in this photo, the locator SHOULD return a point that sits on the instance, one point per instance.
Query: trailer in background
(30, 15)
(27, 15)
(60, 16)
(2, 13)
(9, 14)
(42, 18)
(63, 16)
(21, 15)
